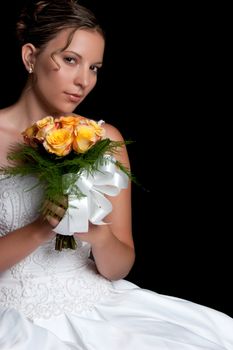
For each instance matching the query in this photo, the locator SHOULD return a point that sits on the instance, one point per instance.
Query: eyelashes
(73, 61)
(95, 69)
(70, 60)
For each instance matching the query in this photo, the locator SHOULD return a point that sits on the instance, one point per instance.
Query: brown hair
(40, 21)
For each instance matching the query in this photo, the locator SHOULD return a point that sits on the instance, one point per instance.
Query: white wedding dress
(57, 300)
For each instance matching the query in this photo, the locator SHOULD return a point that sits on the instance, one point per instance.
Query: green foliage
(49, 168)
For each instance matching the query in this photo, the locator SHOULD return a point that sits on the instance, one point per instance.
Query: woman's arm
(18, 244)
(112, 244)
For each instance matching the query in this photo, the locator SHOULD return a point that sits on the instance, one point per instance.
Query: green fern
(49, 168)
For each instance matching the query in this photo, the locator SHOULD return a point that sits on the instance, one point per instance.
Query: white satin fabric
(57, 301)
(93, 206)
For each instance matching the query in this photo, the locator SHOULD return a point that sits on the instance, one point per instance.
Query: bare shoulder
(6, 116)
(3, 114)
(112, 132)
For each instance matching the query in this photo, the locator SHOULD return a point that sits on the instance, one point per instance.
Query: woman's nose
(82, 77)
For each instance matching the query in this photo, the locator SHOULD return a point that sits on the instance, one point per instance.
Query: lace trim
(18, 206)
(54, 294)
(46, 283)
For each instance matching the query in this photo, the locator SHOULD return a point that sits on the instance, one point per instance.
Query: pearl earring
(30, 70)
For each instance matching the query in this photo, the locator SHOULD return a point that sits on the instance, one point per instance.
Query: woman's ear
(29, 56)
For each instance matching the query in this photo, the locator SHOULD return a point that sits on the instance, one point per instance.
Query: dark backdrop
(154, 88)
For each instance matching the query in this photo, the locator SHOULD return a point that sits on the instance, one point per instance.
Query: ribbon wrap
(86, 200)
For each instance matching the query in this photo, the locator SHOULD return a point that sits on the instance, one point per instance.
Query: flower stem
(65, 242)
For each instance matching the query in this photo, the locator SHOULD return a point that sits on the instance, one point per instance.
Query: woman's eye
(95, 69)
(70, 60)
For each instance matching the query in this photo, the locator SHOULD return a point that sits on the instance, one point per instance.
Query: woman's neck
(29, 107)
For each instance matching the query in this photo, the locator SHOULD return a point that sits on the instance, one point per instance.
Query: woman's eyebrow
(81, 57)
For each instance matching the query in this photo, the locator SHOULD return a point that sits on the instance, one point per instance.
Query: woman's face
(62, 85)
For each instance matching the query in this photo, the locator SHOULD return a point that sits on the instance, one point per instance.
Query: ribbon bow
(92, 205)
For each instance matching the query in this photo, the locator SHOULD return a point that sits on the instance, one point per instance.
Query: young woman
(65, 300)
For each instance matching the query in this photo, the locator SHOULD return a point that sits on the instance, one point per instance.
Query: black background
(155, 88)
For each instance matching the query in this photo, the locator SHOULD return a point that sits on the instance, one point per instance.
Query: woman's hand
(18, 244)
(54, 211)
(43, 229)
(113, 257)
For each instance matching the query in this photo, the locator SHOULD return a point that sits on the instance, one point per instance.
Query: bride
(77, 299)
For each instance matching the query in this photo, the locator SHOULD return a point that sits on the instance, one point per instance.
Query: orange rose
(29, 135)
(99, 130)
(44, 125)
(85, 136)
(58, 141)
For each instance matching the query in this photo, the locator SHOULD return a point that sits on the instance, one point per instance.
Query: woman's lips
(73, 97)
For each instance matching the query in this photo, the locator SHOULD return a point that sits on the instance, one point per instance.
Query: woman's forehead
(83, 40)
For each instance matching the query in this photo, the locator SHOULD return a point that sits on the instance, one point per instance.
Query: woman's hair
(40, 21)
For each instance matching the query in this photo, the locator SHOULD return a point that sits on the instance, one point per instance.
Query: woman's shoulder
(113, 132)
(3, 114)
(6, 115)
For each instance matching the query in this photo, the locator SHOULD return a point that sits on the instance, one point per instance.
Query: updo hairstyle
(40, 21)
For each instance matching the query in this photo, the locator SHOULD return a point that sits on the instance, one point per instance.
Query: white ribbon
(92, 206)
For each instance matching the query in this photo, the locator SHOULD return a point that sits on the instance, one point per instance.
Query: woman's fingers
(52, 220)
(54, 210)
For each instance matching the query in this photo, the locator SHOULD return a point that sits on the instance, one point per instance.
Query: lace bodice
(47, 282)
(20, 200)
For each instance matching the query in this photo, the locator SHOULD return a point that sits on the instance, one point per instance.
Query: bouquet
(75, 164)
